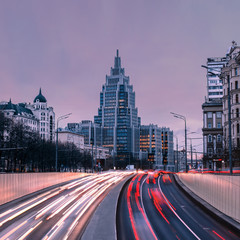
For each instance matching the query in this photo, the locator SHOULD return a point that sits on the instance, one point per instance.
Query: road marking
(195, 235)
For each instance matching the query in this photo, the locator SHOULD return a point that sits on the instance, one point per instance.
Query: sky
(68, 47)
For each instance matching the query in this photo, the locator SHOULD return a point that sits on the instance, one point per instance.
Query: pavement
(231, 223)
(102, 225)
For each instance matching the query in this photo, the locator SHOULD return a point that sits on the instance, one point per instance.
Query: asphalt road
(161, 211)
(59, 213)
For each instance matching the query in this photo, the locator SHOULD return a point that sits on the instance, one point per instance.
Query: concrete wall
(222, 192)
(14, 185)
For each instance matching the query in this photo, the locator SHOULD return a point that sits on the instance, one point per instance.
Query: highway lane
(161, 211)
(57, 213)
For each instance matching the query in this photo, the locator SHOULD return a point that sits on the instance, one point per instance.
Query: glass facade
(150, 141)
(118, 115)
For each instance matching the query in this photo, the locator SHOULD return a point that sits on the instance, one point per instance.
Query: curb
(221, 217)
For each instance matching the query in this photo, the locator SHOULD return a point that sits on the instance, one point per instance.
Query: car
(150, 177)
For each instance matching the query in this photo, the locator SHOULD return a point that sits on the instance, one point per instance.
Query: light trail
(169, 205)
(73, 198)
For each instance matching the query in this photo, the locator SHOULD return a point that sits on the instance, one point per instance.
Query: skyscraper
(118, 115)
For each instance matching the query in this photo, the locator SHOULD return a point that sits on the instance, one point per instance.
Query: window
(209, 125)
(237, 127)
(209, 114)
(236, 84)
(236, 98)
(219, 138)
(219, 152)
(236, 71)
(219, 115)
(218, 125)
(210, 152)
(237, 112)
(209, 138)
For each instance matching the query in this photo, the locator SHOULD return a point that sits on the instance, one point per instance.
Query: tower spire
(117, 62)
(117, 69)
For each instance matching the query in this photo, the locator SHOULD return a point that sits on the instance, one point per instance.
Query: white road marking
(195, 235)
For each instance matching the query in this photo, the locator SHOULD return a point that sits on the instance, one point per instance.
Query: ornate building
(45, 115)
(212, 134)
(231, 79)
(21, 114)
(38, 116)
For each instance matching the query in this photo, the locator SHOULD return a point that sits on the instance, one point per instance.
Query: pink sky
(67, 48)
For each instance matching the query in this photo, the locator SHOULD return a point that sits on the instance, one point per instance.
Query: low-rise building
(66, 136)
(91, 131)
(21, 114)
(212, 134)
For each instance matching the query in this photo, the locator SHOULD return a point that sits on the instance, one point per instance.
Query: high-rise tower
(118, 115)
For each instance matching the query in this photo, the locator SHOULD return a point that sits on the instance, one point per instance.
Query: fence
(14, 185)
(222, 192)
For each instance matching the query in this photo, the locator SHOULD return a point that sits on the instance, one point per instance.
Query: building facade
(118, 115)
(45, 115)
(159, 142)
(92, 132)
(214, 82)
(38, 116)
(212, 114)
(167, 150)
(151, 143)
(19, 113)
(98, 152)
(66, 136)
(231, 79)
(212, 134)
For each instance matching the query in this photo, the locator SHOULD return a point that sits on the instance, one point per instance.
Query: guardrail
(16, 185)
(221, 191)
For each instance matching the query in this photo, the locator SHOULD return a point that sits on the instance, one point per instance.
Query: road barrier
(221, 191)
(16, 185)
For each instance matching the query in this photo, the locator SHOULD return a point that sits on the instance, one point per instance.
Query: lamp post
(58, 120)
(229, 113)
(229, 126)
(176, 115)
(177, 152)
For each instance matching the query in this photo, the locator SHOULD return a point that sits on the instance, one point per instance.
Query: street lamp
(229, 114)
(58, 120)
(177, 153)
(92, 142)
(176, 115)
